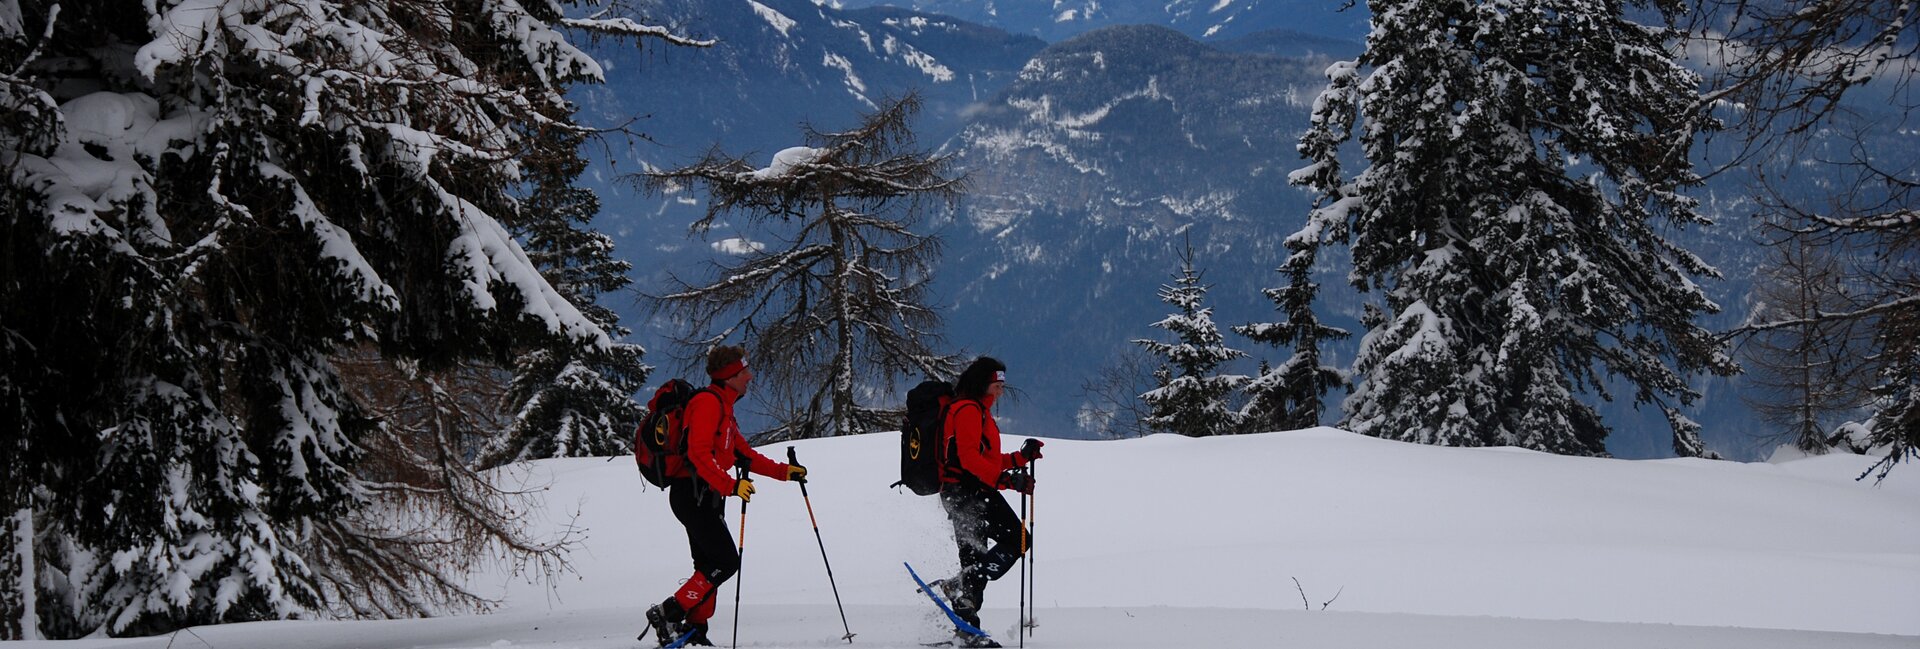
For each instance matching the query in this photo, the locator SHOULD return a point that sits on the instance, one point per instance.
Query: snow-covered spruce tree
(571, 400)
(1789, 65)
(208, 203)
(841, 301)
(1524, 158)
(1193, 401)
(1292, 395)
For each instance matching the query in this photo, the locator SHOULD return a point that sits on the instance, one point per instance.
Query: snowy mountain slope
(775, 64)
(1090, 173)
(1167, 541)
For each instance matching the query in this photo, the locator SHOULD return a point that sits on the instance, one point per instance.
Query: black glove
(1016, 480)
(1031, 449)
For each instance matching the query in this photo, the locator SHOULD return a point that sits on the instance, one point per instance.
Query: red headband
(732, 369)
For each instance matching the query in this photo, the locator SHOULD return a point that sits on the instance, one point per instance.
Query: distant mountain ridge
(776, 63)
(1058, 20)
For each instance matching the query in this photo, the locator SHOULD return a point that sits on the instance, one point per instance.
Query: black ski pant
(989, 535)
(704, 513)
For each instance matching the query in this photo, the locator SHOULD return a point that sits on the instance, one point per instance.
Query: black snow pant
(989, 535)
(703, 512)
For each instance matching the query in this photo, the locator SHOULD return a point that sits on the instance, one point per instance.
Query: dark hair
(973, 382)
(720, 357)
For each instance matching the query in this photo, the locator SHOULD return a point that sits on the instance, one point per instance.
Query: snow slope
(1168, 541)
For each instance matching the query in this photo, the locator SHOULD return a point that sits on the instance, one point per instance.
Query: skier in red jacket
(990, 536)
(699, 500)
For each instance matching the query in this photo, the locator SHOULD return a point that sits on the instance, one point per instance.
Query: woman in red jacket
(699, 500)
(990, 536)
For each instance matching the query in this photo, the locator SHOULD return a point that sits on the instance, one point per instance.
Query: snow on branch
(627, 27)
(1819, 316)
(488, 254)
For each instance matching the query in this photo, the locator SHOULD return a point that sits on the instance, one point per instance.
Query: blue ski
(679, 642)
(958, 623)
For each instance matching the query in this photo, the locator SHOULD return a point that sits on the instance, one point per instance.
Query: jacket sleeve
(703, 429)
(976, 453)
(756, 462)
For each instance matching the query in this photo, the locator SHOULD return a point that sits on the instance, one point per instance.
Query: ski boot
(964, 639)
(699, 637)
(668, 622)
(952, 590)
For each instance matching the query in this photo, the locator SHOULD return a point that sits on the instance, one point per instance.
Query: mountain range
(1093, 163)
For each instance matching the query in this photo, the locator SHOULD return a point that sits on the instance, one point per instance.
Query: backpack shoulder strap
(952, 459)
(688, 405)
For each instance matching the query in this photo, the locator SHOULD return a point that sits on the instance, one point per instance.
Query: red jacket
(714, 442)
(976, 444)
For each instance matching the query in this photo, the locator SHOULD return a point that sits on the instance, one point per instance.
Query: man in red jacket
(699, 500)
(990, 536)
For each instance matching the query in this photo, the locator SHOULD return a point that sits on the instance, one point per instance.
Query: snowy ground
(1174, 542)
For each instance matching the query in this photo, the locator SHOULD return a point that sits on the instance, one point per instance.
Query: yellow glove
(743, 488)
(796, 472)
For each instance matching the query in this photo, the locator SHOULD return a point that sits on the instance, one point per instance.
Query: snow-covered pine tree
(841, 304)
(1292, 395)
(207, 203)
(571, 400)
(1524, 158)
(1193, 402)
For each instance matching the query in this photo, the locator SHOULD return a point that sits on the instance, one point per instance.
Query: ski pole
(1033, 571)
(740, 575)
(1026, 549)
(792, 459)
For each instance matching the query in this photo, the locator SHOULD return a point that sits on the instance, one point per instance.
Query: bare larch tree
(1789, 66)
(839, 303)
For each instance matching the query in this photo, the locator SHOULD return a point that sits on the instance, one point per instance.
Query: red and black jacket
(973, 444)
(714, 442)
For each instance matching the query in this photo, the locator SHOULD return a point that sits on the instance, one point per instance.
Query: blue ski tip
(958, 622)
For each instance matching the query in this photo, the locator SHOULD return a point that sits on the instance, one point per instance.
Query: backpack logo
(660, 443)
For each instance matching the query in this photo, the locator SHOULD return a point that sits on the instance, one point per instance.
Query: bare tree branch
(841, 307)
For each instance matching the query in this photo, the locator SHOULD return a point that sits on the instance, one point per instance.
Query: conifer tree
(1191, 398)
(841, 303)
(571, 400)
(1291, 396)
(207, 205)
(1523, 160)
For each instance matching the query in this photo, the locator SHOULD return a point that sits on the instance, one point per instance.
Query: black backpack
(660, 444)
(922, 438)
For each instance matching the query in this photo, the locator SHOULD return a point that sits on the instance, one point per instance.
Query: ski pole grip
(794, 460)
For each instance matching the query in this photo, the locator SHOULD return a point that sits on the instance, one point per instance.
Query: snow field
(1175, 542)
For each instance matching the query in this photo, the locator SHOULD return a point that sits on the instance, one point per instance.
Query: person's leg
(963, 507)
(714, 558)
(672, 615)
(1004, 528)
